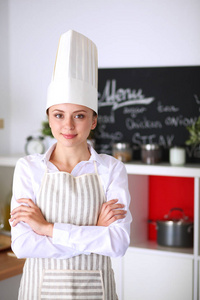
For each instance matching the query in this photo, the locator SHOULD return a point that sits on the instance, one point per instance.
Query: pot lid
(175, 221)
(182, 219)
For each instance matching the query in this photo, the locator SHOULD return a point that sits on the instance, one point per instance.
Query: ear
(94, 122)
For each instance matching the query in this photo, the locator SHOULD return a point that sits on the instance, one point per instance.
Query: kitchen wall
(4, 77)
(128, 33)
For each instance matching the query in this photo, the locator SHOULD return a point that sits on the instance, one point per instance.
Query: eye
(79, 116)
(58, 116)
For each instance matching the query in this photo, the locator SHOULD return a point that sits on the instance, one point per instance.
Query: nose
(69, 123)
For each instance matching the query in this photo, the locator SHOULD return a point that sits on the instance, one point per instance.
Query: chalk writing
(121, 97)
(196, 99)
(141, 124)
(148, 105)
(106, 119)
(165, 141)
(104, 134)
(133, 111)
(166, 108)
(179, 121)
(193, 151)
(139, 139)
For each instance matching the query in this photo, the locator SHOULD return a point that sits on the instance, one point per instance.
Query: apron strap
(43, 179)
(95, 167)
(100, 183)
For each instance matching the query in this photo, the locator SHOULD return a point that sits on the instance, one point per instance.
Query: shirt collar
(94, 155)
(46, 156)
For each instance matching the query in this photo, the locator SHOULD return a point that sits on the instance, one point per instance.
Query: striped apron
(74, 200)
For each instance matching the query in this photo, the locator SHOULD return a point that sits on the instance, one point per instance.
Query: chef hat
(75, 74)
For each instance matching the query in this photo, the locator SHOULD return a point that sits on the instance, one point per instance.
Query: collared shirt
(69, 240)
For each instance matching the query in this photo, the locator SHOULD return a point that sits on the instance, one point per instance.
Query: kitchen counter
(10, 265)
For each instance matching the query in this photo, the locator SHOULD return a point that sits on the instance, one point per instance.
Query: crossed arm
(31, 214)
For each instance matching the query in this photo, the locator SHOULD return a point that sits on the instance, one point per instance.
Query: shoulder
(113, 174)
(30, 159)
(112, 163)
(26, 163)
(106, 160)
(36, 159)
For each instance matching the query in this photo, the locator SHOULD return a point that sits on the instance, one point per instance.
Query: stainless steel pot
(175, 232)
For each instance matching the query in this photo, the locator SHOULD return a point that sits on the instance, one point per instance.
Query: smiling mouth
(69, 136)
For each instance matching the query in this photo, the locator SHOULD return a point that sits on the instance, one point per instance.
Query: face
(71, 124)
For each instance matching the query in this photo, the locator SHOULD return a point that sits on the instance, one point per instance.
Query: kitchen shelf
(133, 167)
(9, 161)
(152, 246)
(163, 169)
(139, 232)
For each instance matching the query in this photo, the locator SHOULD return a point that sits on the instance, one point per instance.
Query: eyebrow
(57, 110)
(74, 112)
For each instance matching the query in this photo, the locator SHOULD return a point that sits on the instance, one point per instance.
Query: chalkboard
(148, 105)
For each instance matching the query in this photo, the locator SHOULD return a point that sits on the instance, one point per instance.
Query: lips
(69, 136)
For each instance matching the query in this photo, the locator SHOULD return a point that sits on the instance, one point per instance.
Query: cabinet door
(154, 276)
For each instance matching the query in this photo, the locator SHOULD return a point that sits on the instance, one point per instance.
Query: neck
(66, 158)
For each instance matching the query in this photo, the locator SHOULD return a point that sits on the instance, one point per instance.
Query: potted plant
(46, 130)
(194, 131)
(194, 139)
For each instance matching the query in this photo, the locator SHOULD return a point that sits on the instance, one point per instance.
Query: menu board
(148, 106)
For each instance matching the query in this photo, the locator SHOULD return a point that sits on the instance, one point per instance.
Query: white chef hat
(75, 75)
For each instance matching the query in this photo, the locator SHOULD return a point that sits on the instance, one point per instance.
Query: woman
(70, 206)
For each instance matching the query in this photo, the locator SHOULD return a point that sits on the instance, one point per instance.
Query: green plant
(46, 130)
(194, 131)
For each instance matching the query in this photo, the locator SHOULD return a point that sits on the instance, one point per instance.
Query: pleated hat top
(75, 74)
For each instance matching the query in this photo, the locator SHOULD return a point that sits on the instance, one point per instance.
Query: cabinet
(156, 276)
(148, 271)
(163, 272)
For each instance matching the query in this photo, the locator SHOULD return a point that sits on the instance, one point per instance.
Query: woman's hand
(110, 212)
(32, 215)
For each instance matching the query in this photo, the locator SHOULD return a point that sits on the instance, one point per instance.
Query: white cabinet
(151, 271)
(155, 276)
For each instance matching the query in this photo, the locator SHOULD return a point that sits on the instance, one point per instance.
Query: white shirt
(69, 240)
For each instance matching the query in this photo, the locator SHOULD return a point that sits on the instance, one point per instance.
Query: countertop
(10, 265)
